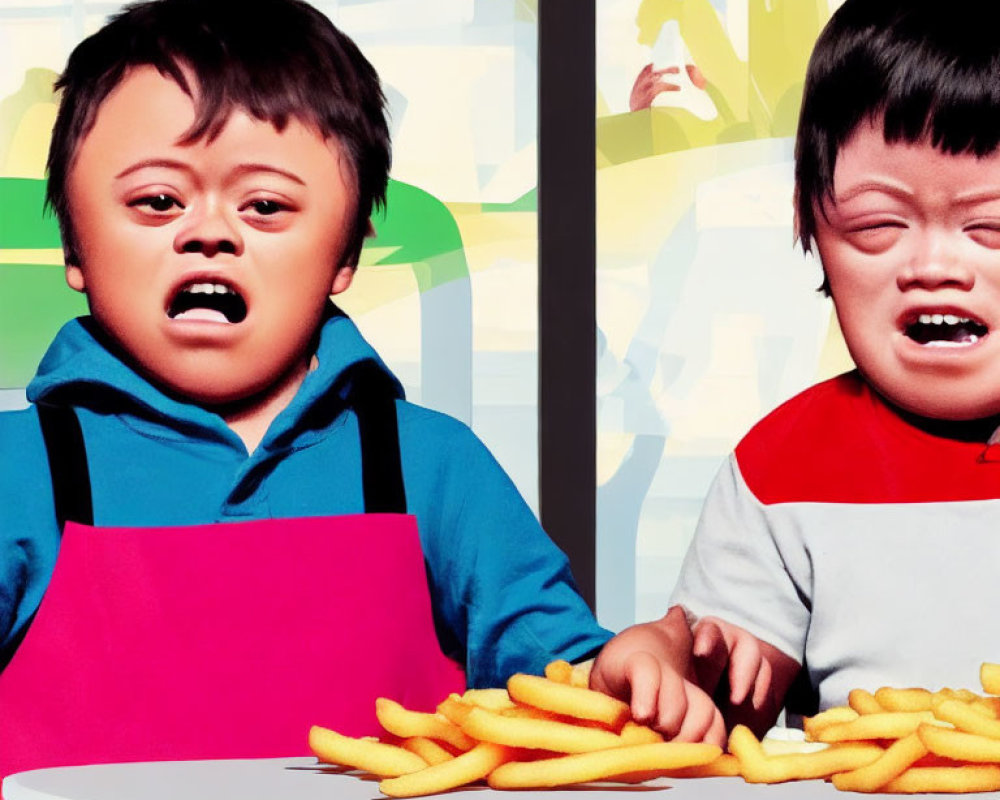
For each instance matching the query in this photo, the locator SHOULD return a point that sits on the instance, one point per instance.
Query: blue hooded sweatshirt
(502, 593)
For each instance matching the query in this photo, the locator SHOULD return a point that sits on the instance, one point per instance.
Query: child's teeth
(942, 319)
(208, 288)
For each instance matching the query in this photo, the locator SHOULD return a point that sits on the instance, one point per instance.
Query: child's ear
(74, 278)
(342, 278)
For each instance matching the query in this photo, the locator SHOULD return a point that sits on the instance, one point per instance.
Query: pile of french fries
(545, 732)
(540, 732)
(899, 741)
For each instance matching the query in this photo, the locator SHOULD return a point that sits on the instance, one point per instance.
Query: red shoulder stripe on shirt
(840, 442)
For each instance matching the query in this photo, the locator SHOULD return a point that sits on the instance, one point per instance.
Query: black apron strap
(67, 463)
(373, 398)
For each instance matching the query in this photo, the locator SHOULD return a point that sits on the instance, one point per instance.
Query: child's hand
(719, 645)
(759, 674)
(650, 667)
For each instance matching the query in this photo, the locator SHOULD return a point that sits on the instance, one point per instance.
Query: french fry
(967, 717)
(540, 734)
(428, 749)
(405, 723)
(725, 766)
(468, 767)
(493, 699)
(455, 709)
(634, 733)
(812, 725)
(903, 699)
(757, 767)
(375, 757)
(989, 677)
(823, 763)
(959, 745)
(559, 671)
(530, 712)
(747, 749)
(881, 725)
(581, 674)
(965, 695)
(891, 764)
(602, 765)
(571, 701)
(917, 780)
(863, 702)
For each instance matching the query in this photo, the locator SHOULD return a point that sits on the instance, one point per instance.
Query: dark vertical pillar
(567, 317)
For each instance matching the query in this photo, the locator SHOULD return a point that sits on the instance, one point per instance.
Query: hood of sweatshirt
(83, 367)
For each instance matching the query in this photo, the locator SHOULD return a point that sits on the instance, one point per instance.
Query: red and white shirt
(859, 539)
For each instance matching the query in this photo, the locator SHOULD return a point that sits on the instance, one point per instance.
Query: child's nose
(937, 264)
(208, 231)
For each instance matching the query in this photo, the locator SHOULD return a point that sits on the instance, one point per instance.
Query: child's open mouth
(945, 330)
(207, 302)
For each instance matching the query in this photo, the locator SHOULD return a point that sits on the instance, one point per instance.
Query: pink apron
(226, 640)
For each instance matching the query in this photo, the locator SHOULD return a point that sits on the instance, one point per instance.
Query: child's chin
(193, 389)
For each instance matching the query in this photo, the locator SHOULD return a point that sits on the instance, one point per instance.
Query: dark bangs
(929, 70)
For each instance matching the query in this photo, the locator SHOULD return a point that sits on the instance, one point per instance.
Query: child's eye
(265, 207)
(160, 203)
(985, 235)
(876, 237)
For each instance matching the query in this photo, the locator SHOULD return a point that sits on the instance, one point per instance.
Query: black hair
(275, 59)
(930, 71)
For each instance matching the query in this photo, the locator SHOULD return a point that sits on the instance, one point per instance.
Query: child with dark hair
(220, 522)
(850, 540)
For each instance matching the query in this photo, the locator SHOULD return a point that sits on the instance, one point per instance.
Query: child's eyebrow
(886, 187)
(236, 172)
(974, 196)
(169, 163)
(244, 169)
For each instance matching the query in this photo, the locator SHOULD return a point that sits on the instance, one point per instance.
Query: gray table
(304, 779)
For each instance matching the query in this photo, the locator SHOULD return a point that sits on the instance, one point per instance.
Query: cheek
(856, 282)
(865, 322)
(100, 235)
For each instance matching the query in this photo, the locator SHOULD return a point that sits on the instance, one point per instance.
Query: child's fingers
(703, 721)
(711, 655)
(672, 705)
(642, 673)
(744, 665)
(762, 687)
